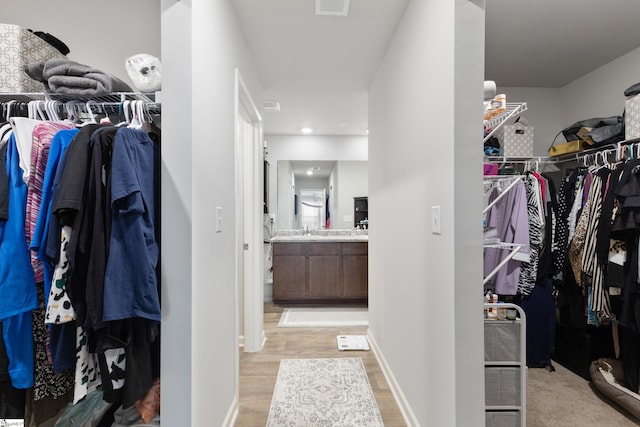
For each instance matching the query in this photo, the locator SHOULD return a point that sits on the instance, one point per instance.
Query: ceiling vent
(271, 106)
(332, 7)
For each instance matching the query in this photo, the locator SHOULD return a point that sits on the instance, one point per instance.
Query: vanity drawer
(280, 248)
(355, 248)
(325, 248)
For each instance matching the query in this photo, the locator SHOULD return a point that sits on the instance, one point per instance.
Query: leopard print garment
(47, 383)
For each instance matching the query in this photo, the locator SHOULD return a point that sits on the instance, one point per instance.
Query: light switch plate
(435, 219)
(218, 219)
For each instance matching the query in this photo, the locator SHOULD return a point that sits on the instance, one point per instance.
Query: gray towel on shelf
(66, 77)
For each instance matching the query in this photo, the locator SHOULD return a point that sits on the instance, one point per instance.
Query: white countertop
(321, 238)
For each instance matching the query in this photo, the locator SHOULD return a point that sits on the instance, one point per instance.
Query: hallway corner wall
(425, 302)
(177, 212)
(201, 315)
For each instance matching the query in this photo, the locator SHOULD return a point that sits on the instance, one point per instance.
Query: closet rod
(563, 158)
(518, 160)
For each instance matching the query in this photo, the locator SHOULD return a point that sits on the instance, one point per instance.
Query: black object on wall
(265, 185)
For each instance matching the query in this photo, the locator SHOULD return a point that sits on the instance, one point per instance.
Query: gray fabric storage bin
(19, 47)
(502, 341)
(503, 419)
(502, 386)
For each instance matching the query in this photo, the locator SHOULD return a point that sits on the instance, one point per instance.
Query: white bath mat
(315, 317)
(323, 392)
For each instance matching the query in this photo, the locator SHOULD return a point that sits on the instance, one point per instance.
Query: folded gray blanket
(66, 77)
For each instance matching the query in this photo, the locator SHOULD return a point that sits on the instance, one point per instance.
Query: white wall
(99, 34)
(177, 212)
(285, 188)
(207, 395)
(596, 94)
(310, 147)
(425, 303)
(601, 92)
(545, 112)
(352, 182)
(334, 196)
(215, 349)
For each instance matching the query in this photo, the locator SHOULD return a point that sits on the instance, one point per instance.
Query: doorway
(249, 167)
(312, 209)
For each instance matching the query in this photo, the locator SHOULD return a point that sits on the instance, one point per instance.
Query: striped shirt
(42, 135)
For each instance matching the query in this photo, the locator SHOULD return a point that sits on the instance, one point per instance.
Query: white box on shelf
(632, 117)
(18, 47)
(516, 140)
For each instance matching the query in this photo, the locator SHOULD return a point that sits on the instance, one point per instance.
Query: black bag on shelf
(603, 130)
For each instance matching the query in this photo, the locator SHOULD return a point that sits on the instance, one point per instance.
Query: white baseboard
(403, 404)
(264, 340)
(232, 414)
(268, 290)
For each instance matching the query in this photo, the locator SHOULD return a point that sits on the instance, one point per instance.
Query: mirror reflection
(318, 195)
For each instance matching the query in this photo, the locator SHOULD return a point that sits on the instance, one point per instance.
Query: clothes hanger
(92, 116)
(9, 105)
(50, 108)
(125, 110)
(70, 107)
(40, 109)
(105, 120)
(136, 110)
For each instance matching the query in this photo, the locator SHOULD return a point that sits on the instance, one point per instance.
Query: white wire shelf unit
(512, 110)
(505, 361)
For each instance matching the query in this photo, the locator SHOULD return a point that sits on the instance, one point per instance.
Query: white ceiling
(319, 67)
(322, 168)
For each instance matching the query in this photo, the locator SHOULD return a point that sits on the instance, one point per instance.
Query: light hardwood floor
(258, 371)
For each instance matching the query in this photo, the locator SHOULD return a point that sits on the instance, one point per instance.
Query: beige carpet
(317, 317)
(564, 399)
(323, 392)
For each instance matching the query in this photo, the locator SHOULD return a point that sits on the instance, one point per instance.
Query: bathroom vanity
(329, 268)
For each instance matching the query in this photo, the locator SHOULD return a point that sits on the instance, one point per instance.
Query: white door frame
(251, 226)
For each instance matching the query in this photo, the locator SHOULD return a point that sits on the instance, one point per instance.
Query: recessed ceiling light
(306, 130)
(309, 172)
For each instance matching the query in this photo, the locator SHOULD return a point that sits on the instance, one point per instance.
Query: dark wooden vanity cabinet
(320, 272)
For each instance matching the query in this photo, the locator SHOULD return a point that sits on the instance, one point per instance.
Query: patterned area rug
(323, 392)
(314, 317)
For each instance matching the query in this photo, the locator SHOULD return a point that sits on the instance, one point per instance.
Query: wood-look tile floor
(258, 371)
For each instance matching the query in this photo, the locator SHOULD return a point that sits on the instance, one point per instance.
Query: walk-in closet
(422, 92)
(80, 241)
(560, 244)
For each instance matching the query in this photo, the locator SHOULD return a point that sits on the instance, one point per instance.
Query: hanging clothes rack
(514, 248)
(47, 105)
(632, 144)
(515, 178)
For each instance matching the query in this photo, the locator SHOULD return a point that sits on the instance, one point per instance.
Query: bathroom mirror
(319, 194)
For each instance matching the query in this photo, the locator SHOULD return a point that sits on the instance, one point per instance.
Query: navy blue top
(130, 286)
